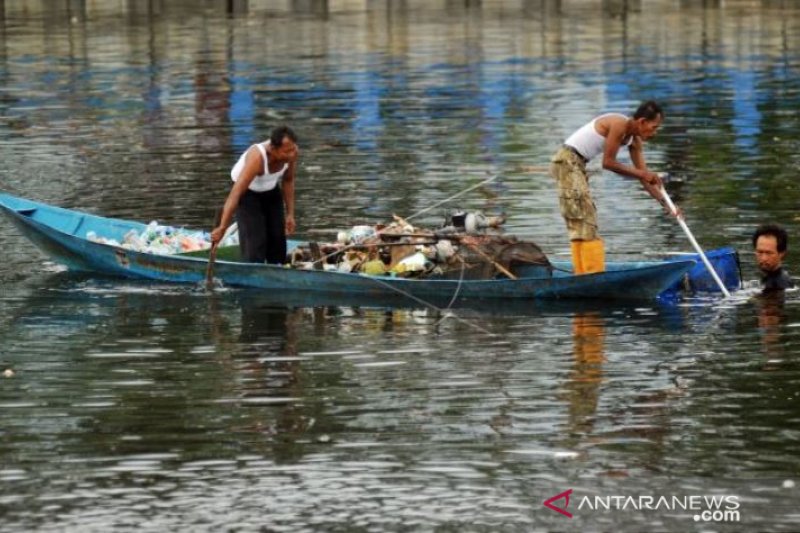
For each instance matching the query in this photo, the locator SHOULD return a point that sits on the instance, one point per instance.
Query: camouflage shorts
(574, 198)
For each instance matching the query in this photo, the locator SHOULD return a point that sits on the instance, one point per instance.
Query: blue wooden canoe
(61, 233)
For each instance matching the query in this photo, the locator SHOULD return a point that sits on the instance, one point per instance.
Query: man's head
(769, 243)
(283, 142)
(647, 119)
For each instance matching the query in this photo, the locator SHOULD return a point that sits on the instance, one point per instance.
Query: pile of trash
(467, 246)
(163, 240)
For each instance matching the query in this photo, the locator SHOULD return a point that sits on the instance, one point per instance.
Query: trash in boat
(468, 246)
(375, 267)
(163, 240)
(473, 223)
(356, 234)
(416, 262)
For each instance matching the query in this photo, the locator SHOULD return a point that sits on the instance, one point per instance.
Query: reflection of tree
(236, 7)
(621, 8)
(5, 99)
(318, 8)
(212, 103)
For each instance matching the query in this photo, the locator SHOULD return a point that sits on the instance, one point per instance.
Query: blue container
(698, 279)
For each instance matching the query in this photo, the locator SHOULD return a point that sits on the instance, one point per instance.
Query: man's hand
(290, 224)
(217, 234)
(655, 192)
(652, 179)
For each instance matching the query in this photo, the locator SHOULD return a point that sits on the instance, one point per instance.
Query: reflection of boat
(61, 234)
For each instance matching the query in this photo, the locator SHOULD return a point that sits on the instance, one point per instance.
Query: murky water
(133, 405)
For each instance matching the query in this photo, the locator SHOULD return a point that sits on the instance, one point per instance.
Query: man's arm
(637, 154)
(614, 138)
(653, 188)
(287, 187)
(252, 166)
(617, 129)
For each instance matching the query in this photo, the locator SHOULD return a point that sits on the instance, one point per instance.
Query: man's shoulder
(779, 279)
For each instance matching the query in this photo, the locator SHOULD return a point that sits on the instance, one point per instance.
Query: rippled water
(129, 405)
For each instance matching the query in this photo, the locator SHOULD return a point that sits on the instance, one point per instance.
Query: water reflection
(586, 379)
(600, 418)
(269, 370)
(154, 382)
(772, 317)
(152, 367)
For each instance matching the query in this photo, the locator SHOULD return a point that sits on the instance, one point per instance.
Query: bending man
(263, 182)
(603, 135)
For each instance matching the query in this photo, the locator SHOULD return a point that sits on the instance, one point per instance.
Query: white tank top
(264, 182)
(588, 142)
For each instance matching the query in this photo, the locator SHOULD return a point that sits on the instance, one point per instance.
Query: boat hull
(58, 231)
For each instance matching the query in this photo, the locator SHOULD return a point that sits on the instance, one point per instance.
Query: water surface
(147, 406)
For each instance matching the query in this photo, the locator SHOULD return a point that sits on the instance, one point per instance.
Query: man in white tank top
(263, 184)
(604, 135)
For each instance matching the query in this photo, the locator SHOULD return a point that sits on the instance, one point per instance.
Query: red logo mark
(563, 510)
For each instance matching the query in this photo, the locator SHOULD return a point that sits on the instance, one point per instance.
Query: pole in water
(212, 255)
(210, 268)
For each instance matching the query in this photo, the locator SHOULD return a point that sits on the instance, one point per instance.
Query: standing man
(769, 243)
(263, 183)
(603, 135)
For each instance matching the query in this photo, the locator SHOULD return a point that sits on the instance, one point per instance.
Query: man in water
(769, 243)
(604, 135)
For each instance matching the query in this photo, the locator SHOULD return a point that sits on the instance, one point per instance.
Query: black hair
(773, 230)
(649, 110)
(277, 135)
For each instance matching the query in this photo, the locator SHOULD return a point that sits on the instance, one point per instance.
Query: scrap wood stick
(316, 255)
(322, 231)
(212, 256)
(433, 235)
(382, 244)
(401, 220)
(457, 237)
(497, 265)
(386, 231)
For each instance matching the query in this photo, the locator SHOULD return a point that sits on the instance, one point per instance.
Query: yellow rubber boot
(577, 260)
(593, 256)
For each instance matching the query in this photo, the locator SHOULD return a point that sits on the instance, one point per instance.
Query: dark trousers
(262, 236)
